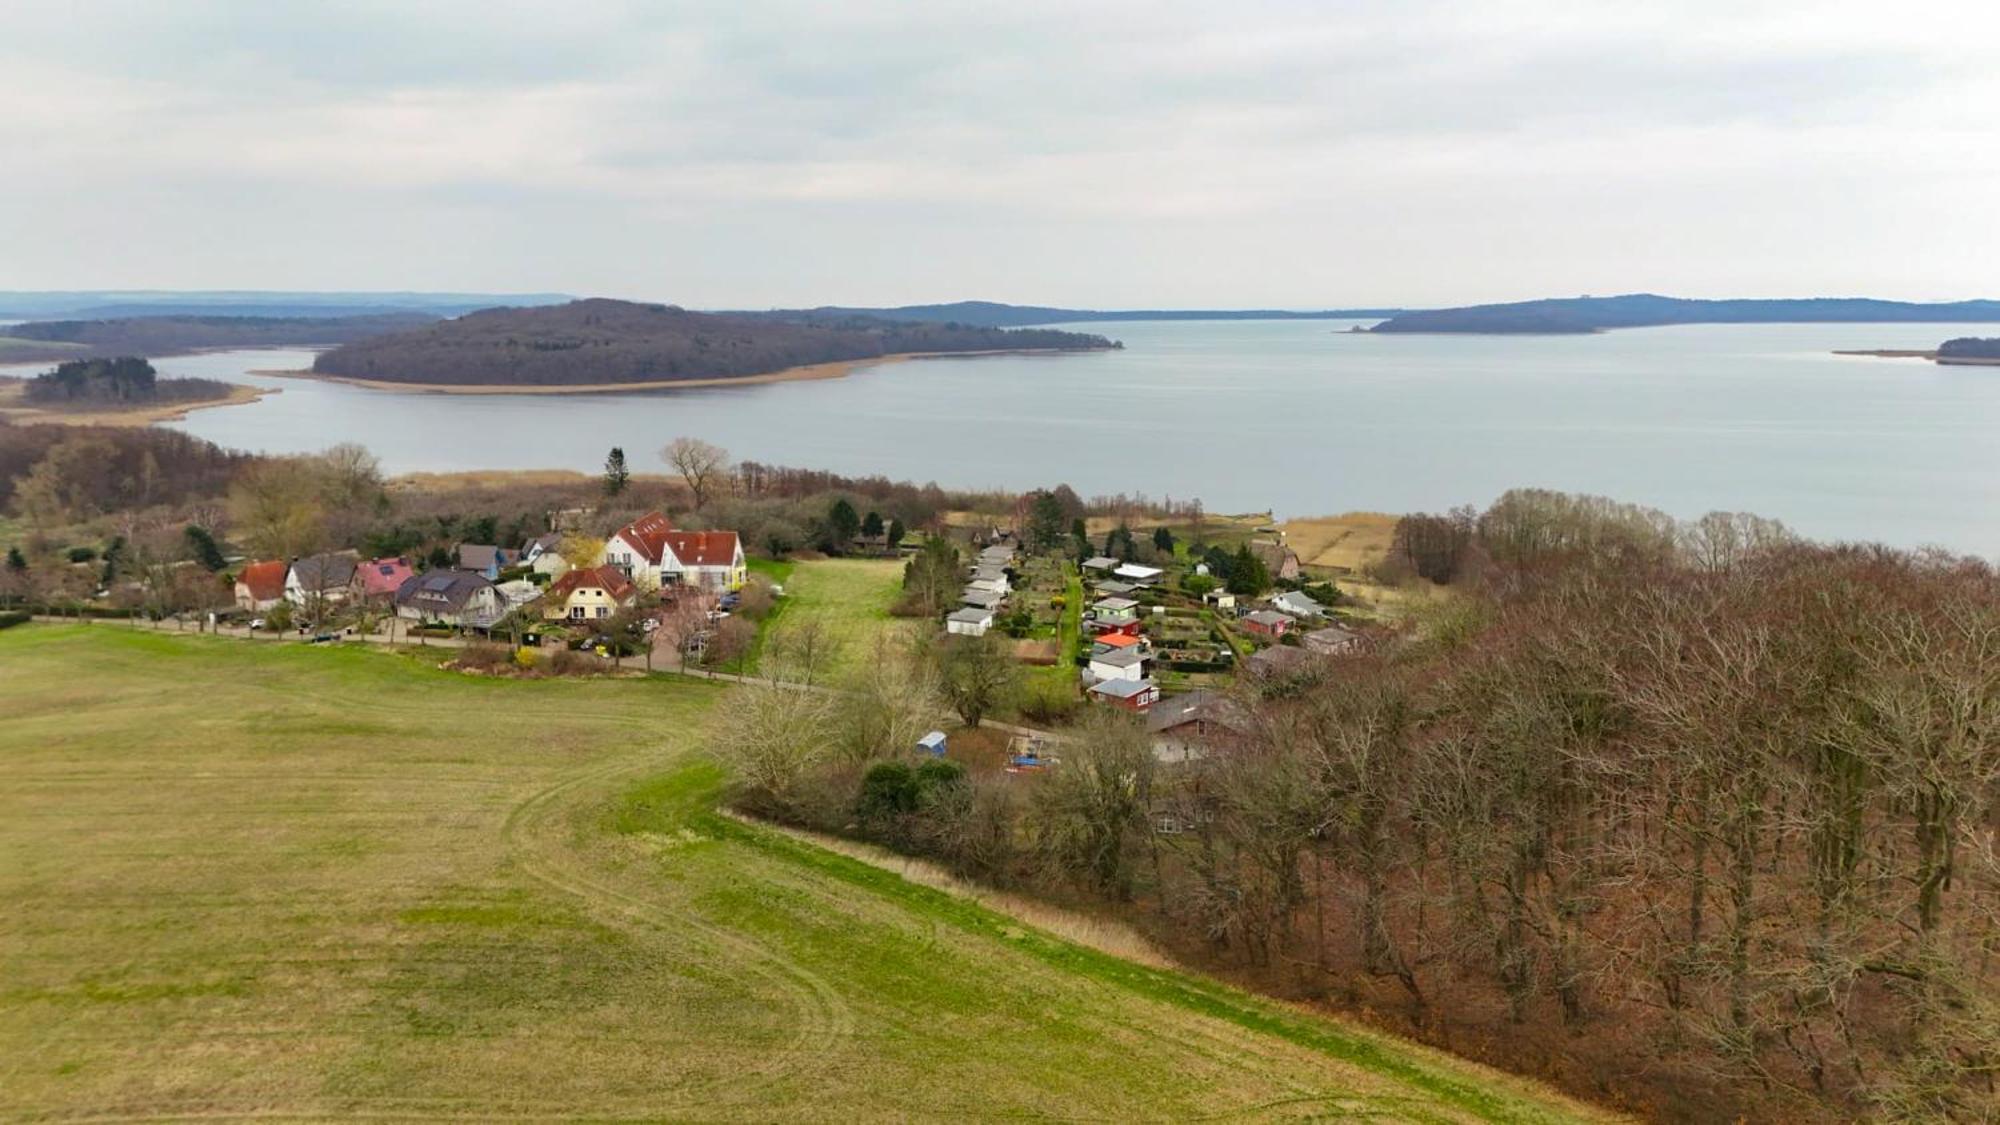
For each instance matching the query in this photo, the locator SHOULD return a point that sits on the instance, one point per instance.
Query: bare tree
(699, 463)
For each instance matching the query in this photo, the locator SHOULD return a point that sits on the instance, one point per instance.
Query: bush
(1048, 701)
(526, 659)
(12, 618)
(483, 656)
(566, 662)
(82, 554)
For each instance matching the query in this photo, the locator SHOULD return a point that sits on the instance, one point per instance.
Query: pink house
(379, 579)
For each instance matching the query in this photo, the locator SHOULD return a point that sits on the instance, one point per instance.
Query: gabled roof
(441, 591)
(1119, 658)
(1122, 689)
(702, 548)
(265, 580)
(1196, 707)
(1117, 640)
(1276, 660)
(480, 556)
(970, 616)
(1333, 638)
(382, 576)
(1267, 617)
(647, 535)
(319, 573)
(607, 578)
(1299, 602)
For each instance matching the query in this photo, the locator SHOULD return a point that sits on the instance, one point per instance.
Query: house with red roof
(377, 580)
(708, 560)
(588, 594)
(261, 585)
(652, 553)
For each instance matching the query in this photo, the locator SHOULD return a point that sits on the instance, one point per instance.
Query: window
(603, 611)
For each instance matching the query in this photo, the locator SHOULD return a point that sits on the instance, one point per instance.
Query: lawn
(851, 598)
(290, 881)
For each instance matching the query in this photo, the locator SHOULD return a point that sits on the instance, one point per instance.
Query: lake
(1294, 416)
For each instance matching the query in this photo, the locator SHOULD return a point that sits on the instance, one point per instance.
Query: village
(1164, 638)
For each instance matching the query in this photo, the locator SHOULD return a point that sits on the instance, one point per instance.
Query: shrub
(483, 656)
(10, 619)
(566, 662)
(526, 659)
(1049, 701)
(82, 554)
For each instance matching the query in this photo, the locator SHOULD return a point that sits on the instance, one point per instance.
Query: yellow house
(588, 594)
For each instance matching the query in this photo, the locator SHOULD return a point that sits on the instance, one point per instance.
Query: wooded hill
(179, 335)
(1638, 310)
(1970, 348)
(605, 341)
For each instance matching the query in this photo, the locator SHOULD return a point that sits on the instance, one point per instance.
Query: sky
(1108, 155)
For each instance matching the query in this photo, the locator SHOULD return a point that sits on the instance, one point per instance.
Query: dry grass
(1349, 543)
(1106, 935)
(308, 882)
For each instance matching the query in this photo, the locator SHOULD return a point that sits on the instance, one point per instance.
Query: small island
(120, 391)
(1568, 316)
(1966, 351)
(600, 345)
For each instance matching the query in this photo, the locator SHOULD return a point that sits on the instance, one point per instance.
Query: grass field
(852, 597)
(306, 882)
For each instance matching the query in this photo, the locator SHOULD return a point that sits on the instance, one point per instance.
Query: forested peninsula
(1574, 315)
(52, 340)
(600, 342)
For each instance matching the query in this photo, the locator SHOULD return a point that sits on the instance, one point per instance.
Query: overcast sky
(1146, 154)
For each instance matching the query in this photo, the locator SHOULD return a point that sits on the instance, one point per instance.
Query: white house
(969, 622)
(1134, 572)
(544, 555)
(450, 597)
(1297, 604)
(652, 554)
(989, 585)
(320, 580)
(1221, 599)
(1129, 663)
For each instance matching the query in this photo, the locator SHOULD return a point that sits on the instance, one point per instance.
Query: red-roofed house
(710, 560)
(377, 580)
(588, 593)
(652, 554)
(261, 586)
(639, 549)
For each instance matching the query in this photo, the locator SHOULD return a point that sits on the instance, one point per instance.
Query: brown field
(1350, 542)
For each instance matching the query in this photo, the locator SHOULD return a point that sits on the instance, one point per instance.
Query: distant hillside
(101, 303)
(1638, 310)
(178, 335)
(992, 314)
(604, 341)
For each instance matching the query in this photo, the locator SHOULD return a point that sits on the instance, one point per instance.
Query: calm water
(1293, 416)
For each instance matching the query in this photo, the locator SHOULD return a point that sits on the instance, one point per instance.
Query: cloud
(1423, 152)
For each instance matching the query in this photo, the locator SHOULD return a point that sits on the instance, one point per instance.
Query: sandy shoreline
(836, 370)
(239, 394)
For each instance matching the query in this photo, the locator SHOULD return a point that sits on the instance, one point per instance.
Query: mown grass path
(304, 883)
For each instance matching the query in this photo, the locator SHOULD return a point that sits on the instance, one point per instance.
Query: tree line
(1699, 820)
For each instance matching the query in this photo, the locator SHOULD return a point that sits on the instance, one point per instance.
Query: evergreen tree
(842, 524)
(616, 475)
(871, 524)
(1247, 574)
(202, 546)
(1163, 540)
(896, 533)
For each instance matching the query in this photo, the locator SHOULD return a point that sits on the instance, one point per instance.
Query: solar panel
(437, 583)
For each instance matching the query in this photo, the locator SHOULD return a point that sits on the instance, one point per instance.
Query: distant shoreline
(839, 369)
(239, 393)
